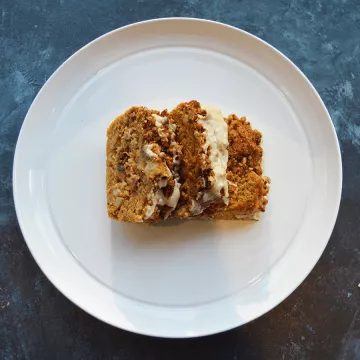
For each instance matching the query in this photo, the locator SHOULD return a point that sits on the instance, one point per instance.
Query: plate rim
(223, 328)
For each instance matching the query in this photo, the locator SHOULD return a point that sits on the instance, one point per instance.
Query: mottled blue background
(321, 319)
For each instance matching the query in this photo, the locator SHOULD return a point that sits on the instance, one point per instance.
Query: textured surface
(321, 319)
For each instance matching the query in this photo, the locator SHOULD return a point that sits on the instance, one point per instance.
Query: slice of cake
(203, 134)
(221, 175)
(247, 186)
(142, 166)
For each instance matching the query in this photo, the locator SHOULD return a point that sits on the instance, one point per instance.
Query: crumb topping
(190, 162)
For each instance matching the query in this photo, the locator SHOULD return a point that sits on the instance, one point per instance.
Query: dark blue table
(321, 319)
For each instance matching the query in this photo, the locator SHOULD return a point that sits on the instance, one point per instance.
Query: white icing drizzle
(151, 208)
(172, 126)
(158, 198)
(159, 120)
(174, 198)
(150, 156)
(216, 131)
(148, 151)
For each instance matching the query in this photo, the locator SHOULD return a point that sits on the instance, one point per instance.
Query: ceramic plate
(177, 279)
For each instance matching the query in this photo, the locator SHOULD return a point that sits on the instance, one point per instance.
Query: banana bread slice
(247, 185)
(203, 134)
(142, 166)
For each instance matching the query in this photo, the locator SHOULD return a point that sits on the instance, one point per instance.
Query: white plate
(178, 279)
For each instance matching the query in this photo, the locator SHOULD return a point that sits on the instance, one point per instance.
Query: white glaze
(159, 120)
(160, 199)
(216, 131)
(216, 136)
(147, 149)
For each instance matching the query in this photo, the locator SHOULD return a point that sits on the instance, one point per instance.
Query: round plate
(175, 279)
